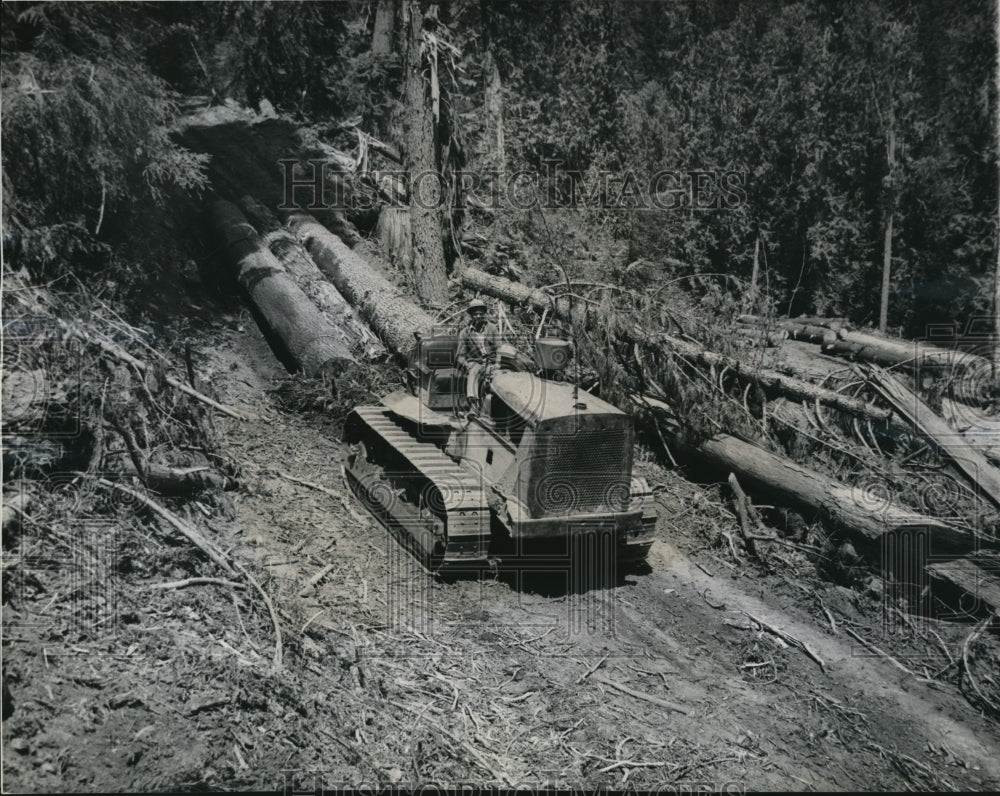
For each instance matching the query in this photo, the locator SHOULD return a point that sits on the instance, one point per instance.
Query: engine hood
(538, 400)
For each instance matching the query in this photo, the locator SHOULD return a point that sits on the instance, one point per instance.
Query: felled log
(980, 430)
(514, 293)
(973, 464)
(975, 578)
(177, 481)
(796, 330)
(865, 513)
(763, 338)
(381, 304)
(816, 322)
(356, 336)
(312, 341)
(912, 354)
(778, 382)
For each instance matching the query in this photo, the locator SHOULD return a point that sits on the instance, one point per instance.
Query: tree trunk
(306, 340)
(496, 153)
(996, 332)
(883, 314)
(422, 147)
(395, 234)
(868, 517)
(394, 317)
(385, 23)
(913, 354)
(750, 300)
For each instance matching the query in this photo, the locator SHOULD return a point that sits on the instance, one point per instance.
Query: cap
(474, 305)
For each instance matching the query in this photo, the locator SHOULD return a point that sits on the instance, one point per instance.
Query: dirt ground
(705, 668)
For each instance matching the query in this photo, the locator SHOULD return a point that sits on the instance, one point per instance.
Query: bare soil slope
(704, 667)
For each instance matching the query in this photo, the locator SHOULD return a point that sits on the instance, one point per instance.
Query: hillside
(222, 226)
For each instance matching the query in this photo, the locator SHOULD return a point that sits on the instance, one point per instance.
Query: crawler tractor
(541, 465)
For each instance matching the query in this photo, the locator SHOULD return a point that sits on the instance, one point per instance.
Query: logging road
(699, 670)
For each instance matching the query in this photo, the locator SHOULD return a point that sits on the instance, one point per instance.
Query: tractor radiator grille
(583, 472)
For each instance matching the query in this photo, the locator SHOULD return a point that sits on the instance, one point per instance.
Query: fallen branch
(325, 491)
(271, 611)
(789, 638)
(639, 695)
(590, 671)
(192, 535)
(740, 499)
(315, 579)
(183, 584)
(878, 651)
(115, 351)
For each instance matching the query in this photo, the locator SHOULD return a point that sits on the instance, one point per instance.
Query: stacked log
(810, 330)
(381, 304)
(357, 337)
(312, 342)
(361, 341)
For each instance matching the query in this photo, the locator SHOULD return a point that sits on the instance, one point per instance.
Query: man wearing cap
(478, 347)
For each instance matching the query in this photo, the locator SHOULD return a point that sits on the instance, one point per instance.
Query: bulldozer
(532, 468)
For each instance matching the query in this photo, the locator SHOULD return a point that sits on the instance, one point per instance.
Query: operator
(478, 349)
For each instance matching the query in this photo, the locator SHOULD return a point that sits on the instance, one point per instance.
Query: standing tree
(422, 153)
(888, 210)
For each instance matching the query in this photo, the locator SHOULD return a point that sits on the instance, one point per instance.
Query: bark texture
(308, 338)
(381, 304)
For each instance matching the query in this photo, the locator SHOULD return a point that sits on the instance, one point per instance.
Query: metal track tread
(466, 513)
